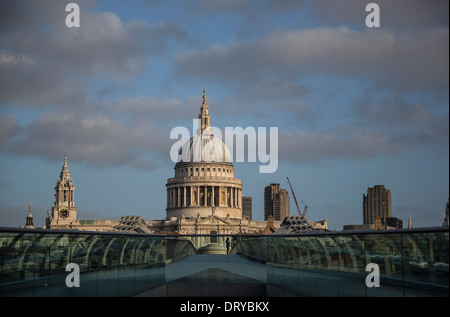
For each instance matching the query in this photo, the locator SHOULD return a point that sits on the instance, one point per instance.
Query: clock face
(64, 213)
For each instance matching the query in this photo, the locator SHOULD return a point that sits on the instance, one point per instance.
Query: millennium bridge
(65, 263)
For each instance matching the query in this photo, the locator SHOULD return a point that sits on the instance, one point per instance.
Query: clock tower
(64, 213)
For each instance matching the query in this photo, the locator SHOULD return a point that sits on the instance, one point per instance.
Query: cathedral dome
(204, 182)
(204, 148)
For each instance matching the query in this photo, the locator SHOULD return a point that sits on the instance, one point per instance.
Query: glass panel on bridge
(410, 262)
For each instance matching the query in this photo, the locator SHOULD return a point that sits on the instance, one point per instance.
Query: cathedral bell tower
(64, 212)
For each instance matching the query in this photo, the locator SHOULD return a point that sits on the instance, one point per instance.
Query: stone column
(178, 197)
(232, 197)
(212, 195)
(184, 196)
(169, 197)
(174, 197)
(198, 195)
(239, 198)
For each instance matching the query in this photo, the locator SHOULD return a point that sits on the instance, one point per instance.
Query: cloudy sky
(354, 106)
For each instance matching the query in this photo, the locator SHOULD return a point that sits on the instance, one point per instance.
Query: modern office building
(276, 202)
(246, 207)
(376, 204)
(377, 211)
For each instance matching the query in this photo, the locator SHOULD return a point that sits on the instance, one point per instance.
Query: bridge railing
(410, 262)
(253, 248)
(33, 262)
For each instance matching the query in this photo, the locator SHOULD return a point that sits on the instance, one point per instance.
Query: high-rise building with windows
(376, 204)
(246, 207)
(276, 202)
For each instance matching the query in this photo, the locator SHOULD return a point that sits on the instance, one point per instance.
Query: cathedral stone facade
(204, 197)
(64, 211)
(63, 214)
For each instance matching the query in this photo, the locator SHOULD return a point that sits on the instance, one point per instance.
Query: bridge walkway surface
(213, 275)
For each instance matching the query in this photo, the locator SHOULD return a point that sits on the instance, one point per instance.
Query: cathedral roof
(204, 148)
(65, 174)
(296, 224)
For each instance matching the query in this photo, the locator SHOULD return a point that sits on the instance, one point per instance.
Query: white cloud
(9, 59)
(151, 107)
(43, 63)
(98, 140)
(403, 60)
(8, 129)
(360, 143)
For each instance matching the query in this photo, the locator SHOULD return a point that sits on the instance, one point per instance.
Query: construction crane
(293, 194)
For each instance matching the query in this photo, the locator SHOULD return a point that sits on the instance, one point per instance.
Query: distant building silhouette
(246, 207)
(276, 202)
(445, 224)
(29, 223)
(393, 223)
(377, 211)
(376, 204)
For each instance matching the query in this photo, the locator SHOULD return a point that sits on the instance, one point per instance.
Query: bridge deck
(213, 275)
(243, 269)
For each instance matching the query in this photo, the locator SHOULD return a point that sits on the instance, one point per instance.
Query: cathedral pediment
(214, 220)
